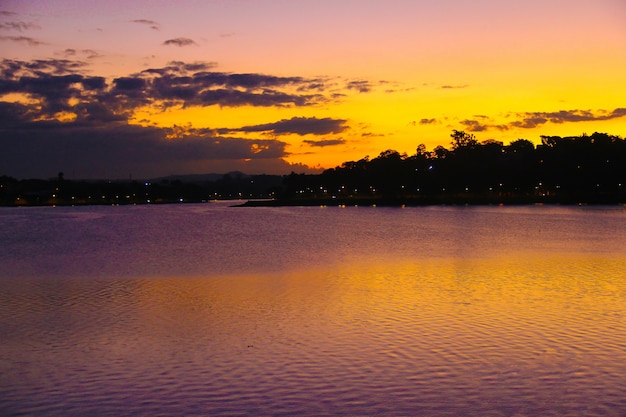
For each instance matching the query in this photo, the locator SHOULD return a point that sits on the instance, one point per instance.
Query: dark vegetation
(566, 170)
(183, 189)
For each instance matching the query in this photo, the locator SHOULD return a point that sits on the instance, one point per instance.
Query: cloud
(360, 85)
(13, 69)
(87, 53)
(180, 42)
(427, 121)
(325, 142)
(72, 121)
(129, 83)
(299, 126)
(56, 81)
(372, 135)
(106, 149)
(179, 68)
(474, 125)
(23, 39)
(450, 87)
(266, 98)
(151, 23)
(531, 120)
(90, 53)
(19, 26)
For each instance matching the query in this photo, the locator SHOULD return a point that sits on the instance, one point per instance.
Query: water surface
(212, 310)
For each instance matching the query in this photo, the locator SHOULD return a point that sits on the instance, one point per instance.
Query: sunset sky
(112, 89)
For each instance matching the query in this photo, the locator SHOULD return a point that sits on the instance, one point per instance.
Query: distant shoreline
(434, 201)
(455, 200)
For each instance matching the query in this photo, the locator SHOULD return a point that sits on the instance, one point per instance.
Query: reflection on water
(417, 328)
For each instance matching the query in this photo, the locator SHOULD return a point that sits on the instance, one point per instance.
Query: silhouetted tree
(461, 139)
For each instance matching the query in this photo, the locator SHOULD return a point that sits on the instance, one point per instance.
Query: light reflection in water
(499, 336)
(207, 310)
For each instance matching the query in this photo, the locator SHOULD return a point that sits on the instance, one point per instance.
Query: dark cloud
(372, 135)
(325, 142)
(180, 42)
(23, 39)
(474, 125)
(101, 148)
(12, 113)
(299, 126)
(360, 85)
(427, 121)
(247, 81)
(12, 69)
(259, 80)
(19, 26)
(56, 81)
(193, 84)
(448, 86)
(95, 139)
(174, 68)
(266, 98)
(55, 85)
(129, 83)
(55, 91)
(531, 120)
(94, 83)
(151, 23)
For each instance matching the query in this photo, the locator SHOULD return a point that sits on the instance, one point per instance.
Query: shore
(455, 200)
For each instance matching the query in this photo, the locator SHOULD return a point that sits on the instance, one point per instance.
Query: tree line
(567, 170)
(581, 169)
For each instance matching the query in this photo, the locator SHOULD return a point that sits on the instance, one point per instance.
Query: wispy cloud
(325, 142)
(150, 23)
(452, 87)
(180, 42)
(19, 26)
(23, 39)
(362, 86)
(474, 125)
(86, 53)
(299, 126)
(531, 120)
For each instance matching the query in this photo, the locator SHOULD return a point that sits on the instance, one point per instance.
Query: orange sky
(362, 76)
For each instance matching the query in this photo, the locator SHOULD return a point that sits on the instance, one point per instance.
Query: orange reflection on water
(489, 313)
(540, 334)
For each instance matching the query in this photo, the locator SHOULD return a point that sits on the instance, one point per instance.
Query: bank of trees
(581, 169)
(586, 168)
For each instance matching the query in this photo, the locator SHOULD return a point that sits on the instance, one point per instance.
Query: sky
(142, 89)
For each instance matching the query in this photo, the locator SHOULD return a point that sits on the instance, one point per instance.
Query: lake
(213, 310)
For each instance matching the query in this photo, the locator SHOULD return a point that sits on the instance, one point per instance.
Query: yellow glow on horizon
(400, 116)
